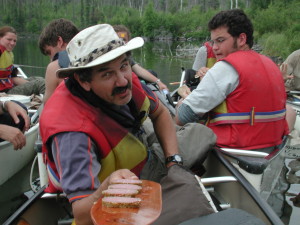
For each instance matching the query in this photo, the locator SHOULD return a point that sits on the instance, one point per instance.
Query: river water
(161, 57)
(157, 56)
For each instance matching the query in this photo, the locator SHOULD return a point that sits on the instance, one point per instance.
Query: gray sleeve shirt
(213, 89)
(77, 163)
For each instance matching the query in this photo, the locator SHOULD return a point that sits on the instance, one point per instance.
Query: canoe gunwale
(25, 206)
(263, 205)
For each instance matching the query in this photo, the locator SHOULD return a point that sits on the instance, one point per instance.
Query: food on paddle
(127, 181)
(120, 192)
(121, 202)
(125, 186)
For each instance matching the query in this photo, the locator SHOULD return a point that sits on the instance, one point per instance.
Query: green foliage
(150, 21)
(33, 25)
(269, 20)
(273, 43)
(276, 22)
(277, 27)
(260, 4)
(294, 33)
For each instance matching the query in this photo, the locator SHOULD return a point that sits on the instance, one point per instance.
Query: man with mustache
(242, 97)
(92, 126)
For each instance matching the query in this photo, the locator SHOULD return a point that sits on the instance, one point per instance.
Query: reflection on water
(157, 56)
(292, 197)
(285, 191)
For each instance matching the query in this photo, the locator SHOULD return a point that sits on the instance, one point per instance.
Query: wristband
(157, 81)
(3, 106)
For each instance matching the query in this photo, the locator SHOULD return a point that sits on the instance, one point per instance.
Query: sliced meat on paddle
(121, 202)
(120, 192)
(125, 186)
(127, 181)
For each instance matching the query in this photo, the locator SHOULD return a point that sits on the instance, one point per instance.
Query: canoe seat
(252, 165)
(230, 216)
(253, 162)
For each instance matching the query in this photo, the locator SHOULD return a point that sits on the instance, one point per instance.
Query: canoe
(221, 180)
(12, 161)
(261, 169)
(233, 190)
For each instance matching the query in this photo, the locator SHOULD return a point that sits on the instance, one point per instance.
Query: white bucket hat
(94, 46)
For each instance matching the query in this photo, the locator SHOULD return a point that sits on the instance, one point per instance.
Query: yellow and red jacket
(211, 58)
(253, 115)
(6, 66)
(118, 148)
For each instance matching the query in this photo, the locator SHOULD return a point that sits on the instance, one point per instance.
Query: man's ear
(242, 39)
(60, 42)
(84, 84)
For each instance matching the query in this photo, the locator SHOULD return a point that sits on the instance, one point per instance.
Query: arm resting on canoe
(9, 130)
(165, 130)
(16, 110)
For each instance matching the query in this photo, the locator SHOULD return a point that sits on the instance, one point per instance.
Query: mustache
(118, 90)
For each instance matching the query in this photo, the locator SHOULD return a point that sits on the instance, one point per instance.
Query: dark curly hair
(58, 27)
(236, 21)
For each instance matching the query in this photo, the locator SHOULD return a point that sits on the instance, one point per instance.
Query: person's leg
(35, 85)
(290, 117)
(194, 142)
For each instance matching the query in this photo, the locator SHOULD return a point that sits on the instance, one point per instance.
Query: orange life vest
(118, 147)
(211, 58)
(253, 115)
(6, 65)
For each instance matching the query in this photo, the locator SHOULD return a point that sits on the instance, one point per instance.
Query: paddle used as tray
(148, 211)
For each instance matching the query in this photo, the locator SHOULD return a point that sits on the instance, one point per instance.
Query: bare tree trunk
(247, 3)
(141, 8)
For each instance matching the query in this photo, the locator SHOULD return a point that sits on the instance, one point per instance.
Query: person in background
(291, 70)
(13, 122)
(204, 60)
(102, 94)
(124, 33)
(205, 57)
(52, 42)
(10, 83)
(243, 103)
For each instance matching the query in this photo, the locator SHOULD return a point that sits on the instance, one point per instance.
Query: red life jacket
(211, 58)
(110, 137)
(253, 115)
(6, 66)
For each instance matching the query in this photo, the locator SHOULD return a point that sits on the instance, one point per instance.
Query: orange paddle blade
(148, 211)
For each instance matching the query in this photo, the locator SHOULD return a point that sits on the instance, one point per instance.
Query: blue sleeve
(77, 164)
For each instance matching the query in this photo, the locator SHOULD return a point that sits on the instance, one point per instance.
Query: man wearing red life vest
(91, 126)
(243, 94)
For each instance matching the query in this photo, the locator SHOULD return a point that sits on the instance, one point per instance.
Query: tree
(149, 21)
